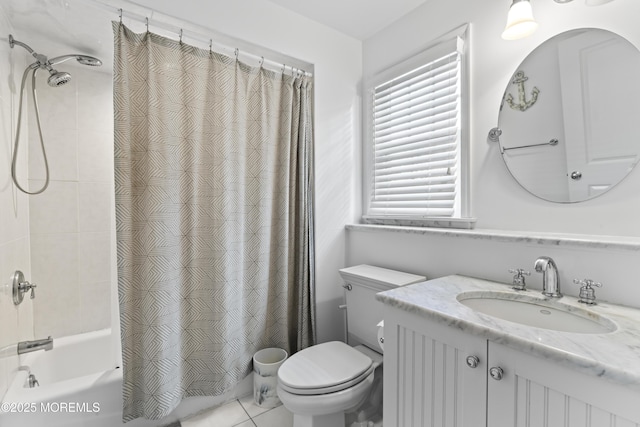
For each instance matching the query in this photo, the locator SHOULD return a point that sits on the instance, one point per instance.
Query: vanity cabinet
(426, 378)
(440, 376)
(537, 392)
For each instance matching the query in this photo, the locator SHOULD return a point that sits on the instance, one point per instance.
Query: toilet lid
(324, 368)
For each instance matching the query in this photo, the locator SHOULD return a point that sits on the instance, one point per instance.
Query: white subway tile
(61, 146)
(55, 210)
(94, 206)
(94, 263)
(54, 269)
(95, 156)
(95, 305)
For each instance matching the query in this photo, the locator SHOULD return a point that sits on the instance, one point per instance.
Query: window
(416, 122)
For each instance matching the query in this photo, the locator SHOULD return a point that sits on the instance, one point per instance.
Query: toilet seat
(330, 389)
(324, 368)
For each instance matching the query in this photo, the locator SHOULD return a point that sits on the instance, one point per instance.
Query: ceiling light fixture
(520, 22)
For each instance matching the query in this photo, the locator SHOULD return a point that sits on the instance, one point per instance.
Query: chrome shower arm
(41, 60)
(13, 42)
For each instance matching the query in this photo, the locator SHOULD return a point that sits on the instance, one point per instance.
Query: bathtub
(79, 385)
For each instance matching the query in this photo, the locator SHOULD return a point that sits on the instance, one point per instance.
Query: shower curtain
(214, 218)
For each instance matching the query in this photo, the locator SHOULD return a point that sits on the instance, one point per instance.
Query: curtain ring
(147, 23)
(120, 14)
(236, 52)
(284, 67)
(180, 35)
(210, 46)
(261, 61)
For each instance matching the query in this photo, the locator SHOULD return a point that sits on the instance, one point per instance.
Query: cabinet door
(427, 382)
(535, 392)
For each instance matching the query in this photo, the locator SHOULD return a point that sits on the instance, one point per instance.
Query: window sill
(435, 222)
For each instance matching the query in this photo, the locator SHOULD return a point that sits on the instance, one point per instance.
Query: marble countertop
(614, 356)
(540, 238)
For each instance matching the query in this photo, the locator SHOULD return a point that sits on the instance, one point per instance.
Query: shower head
(88, 60)
(82, 59)
(58, 78)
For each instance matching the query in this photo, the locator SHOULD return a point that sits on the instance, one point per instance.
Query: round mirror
(570, 116)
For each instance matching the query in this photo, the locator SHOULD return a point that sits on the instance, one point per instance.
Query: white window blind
(416, 139)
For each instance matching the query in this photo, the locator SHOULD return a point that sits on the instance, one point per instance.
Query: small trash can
(266, 363)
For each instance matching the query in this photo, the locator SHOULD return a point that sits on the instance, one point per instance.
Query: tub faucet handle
(33, 290)
(26, 287)
(21, 287)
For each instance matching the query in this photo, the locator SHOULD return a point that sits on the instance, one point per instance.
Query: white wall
(337, 60)
(71, 221)
(16, 322)
(498, 202)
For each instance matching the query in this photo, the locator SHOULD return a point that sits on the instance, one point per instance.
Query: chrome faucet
(550, 279)
(35, 345)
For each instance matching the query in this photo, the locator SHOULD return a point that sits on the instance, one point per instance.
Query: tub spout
(35, 345)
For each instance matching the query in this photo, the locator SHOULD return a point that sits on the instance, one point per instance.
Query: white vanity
(447, 364)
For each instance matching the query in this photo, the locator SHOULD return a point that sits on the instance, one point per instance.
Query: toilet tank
(364, 312)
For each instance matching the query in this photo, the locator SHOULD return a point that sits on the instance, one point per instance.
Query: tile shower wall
(16, 322)
(70, 223)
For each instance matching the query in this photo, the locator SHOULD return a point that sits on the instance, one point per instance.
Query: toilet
(321, 383)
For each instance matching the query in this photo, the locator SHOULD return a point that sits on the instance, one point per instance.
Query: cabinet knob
(496, 373)
(473, 361)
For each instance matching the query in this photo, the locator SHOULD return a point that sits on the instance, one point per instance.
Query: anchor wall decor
(523, 104)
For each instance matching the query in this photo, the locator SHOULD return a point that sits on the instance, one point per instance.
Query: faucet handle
(587, 283)
(518, 278)
(587, 293)
(26, 286)
(21, 287)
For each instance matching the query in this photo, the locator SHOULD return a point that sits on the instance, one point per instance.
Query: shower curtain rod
(201, 35)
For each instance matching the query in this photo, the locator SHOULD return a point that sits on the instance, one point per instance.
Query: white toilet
(320, 383)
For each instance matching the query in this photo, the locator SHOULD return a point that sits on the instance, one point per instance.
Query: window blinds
(416, 139)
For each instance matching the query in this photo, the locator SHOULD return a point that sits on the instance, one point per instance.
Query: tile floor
(242, 413)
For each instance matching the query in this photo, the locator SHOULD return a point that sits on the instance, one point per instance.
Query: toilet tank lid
(371, 275)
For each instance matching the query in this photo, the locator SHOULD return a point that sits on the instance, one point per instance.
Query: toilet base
(327, 420)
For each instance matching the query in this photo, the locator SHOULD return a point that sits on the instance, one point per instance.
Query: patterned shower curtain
(214, 218)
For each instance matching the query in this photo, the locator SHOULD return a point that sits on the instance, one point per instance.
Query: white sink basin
(536, 312)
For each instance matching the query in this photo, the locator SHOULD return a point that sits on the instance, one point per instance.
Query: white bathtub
(81, 387)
